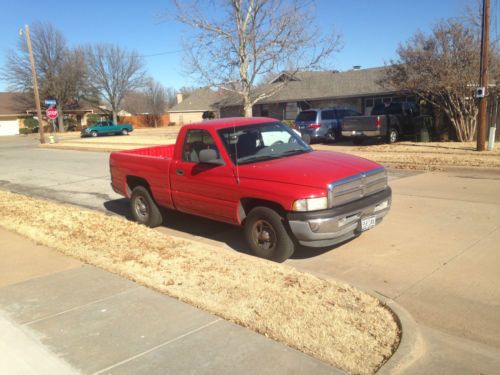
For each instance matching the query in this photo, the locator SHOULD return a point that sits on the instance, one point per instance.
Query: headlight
(87, 130)
(310, 204)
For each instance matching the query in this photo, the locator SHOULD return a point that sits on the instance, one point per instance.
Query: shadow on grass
(195, 226)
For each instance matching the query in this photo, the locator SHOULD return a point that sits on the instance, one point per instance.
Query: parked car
(106, 128)
(256, 173)
(323, 124)
(387, 122)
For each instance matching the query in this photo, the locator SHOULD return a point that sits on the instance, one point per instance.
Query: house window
(291, 111)
(369, 102)
(378, 101)
(264, 110)
(387, 100)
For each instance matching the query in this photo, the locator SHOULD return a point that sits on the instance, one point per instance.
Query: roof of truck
(232, 121)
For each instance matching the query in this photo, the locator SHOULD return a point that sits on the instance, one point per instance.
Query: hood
(314, 169)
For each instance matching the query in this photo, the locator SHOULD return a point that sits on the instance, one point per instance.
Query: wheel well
(134, 181)
(247, 204)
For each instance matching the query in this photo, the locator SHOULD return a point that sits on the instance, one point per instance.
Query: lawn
(329, 320)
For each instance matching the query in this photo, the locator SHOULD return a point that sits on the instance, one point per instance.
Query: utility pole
(35, 86)
(483, 77)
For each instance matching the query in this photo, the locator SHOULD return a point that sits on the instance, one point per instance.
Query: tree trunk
(115, 117)
(156, 121)
(247, 107)
(60, 119)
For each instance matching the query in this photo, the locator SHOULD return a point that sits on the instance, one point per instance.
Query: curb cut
(411, 347)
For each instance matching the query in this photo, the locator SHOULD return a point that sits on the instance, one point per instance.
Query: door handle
(179, 172)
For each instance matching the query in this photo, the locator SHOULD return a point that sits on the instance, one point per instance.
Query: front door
(203, 189)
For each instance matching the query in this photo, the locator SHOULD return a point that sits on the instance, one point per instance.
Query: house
(192, 108)
(12, 114)
(358, 89)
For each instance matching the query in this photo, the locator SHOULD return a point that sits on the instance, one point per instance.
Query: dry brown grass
(329, 320)
(423, 156)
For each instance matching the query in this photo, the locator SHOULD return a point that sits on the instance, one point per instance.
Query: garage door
(9, 127)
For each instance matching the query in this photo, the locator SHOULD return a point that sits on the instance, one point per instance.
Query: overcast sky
(371, 30)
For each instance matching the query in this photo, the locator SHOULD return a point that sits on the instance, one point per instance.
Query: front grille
(355, 187)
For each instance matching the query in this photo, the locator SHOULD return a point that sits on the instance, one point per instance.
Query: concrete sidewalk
(59, 316)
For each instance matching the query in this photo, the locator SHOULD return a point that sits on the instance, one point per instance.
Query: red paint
(213, 191)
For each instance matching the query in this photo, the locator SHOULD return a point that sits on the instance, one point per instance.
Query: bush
(25, 131)
(289, 123)
(30, 122)
(171, 123)
(93, 118)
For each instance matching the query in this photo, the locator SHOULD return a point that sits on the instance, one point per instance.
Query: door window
(197, 140)
(327, 115)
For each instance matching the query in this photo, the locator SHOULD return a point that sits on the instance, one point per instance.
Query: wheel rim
(264, 235)
(124, 131)
(393, 136)
(141, 207)
(94, 134)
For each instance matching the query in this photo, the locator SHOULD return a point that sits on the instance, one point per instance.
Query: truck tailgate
(360, 123)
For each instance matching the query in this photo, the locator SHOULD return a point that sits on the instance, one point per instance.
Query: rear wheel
(124, 132)
(332, 136)
(393, 135)
(144, 209)
(267, 236)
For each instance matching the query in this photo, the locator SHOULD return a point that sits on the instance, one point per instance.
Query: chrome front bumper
(330, 227)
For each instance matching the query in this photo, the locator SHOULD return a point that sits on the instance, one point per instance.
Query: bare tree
(114, 71)
(61, 71)
(443, 69)
(156, 99)
(241, 40)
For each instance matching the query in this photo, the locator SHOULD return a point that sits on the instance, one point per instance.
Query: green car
(106, 128)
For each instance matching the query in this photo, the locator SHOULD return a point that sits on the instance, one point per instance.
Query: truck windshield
(259, 142)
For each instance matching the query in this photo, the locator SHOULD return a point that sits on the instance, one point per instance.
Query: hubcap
(264, 235)
(141, 207)
(394, 136)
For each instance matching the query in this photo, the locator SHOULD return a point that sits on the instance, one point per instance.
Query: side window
(327, 115)
(197, 140)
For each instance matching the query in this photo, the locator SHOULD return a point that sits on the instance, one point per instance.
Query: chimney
(179, 98)
(356, 67)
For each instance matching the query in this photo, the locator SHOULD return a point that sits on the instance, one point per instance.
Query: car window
(197, 140)
(328, 115)
(353, 113)
(306, 116)
(259, 142)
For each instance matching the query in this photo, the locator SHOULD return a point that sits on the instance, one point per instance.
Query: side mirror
(209, 156)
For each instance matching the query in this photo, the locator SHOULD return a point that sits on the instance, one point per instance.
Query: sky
(371, 30)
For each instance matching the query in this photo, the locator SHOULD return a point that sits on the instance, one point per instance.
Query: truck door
(208, 190)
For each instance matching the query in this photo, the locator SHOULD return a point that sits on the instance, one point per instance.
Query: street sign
(52, 113)
(50, 103)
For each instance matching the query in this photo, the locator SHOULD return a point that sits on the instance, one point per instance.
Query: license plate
(368, 223)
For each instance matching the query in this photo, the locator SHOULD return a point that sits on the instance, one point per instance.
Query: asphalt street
(436, 253)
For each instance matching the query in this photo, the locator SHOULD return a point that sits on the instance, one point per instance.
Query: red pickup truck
(259, 174)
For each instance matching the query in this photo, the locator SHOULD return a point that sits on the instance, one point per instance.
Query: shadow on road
(212, 230)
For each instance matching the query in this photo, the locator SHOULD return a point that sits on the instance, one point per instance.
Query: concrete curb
(411, 347)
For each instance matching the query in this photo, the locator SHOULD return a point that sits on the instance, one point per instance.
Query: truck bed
(162, 152)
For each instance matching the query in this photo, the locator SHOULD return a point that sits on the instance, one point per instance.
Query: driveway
(436, 253)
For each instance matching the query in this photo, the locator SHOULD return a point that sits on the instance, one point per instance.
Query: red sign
(52, 113)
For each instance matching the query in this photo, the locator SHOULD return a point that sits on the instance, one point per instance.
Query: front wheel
(267, 236)
(93, 133)
(144, 209)
(124, 132)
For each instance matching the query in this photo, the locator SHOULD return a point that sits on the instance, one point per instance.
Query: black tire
(93, 133)
(393, 135)
(124, 132)
(144, 209)
(267, 236)
(358, 141)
